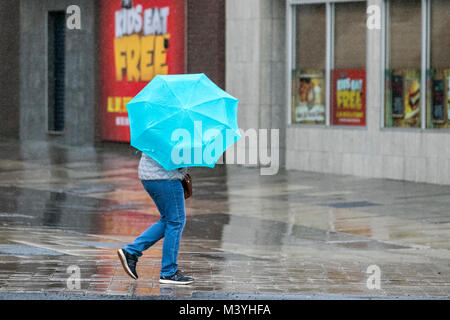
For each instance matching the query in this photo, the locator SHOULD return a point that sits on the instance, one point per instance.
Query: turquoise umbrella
(183, 121)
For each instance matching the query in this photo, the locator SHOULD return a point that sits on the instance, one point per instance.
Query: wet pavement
(295, 234)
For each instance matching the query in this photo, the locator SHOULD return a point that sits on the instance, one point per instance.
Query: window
(308, 76)
(438, 74)
(417, 64)
(328, 65)
(403, 75)
(348, 76)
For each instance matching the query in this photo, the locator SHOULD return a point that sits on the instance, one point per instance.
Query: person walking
(166, 190)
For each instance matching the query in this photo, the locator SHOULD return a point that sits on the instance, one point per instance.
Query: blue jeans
(168, 196)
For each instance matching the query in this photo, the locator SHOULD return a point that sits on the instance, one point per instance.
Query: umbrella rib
(169, 116)
(225, 124)
(159, 121)
(153, 103)
(211, 100)
(170, 90)
(161, 105)
(193, 90)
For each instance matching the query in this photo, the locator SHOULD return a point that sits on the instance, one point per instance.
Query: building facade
(73, 65)
(355, 87)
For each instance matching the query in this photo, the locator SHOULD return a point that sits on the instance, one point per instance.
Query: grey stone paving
(296, 235)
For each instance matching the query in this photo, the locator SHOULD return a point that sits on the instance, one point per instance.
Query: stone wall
(79, 72)
(256, 73)
(255, 65)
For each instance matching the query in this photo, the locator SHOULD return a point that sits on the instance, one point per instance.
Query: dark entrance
(56, 64)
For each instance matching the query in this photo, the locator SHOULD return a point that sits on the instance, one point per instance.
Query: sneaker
(177, 278)
(128, 262)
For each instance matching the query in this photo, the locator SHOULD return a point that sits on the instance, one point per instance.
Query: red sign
(136, 44)
(348, 97)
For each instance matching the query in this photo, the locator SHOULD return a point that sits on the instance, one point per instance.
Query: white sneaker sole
(123, 260)
(174, 282)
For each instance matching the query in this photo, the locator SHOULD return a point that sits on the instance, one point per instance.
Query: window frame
(329, 58)
(424, 62)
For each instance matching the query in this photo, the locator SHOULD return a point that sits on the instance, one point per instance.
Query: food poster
(403, 98)
(438, 98)
(136, 44)
(308, 97)
(348, 100)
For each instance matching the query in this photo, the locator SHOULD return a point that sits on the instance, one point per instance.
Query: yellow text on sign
(140, 58)
(349, 99)
(118, 104)
(349, 114)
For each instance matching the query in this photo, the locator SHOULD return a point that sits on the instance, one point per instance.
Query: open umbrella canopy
(183, 121)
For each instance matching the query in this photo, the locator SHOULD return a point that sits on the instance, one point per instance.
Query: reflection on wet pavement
(295, 232)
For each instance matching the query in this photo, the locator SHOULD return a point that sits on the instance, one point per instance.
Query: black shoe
(177, 278)
(128, 262)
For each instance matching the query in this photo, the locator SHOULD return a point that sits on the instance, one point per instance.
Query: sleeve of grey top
(183, 171)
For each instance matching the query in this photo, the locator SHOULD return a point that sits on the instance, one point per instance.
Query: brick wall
(206, 39)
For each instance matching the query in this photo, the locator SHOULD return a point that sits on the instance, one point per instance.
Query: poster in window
(309, 97)
(412, 97)
(438, 98)
(403, 98)
(135, 45)
(448, 98)
(398, 110)
(349, 97)
(438, 105)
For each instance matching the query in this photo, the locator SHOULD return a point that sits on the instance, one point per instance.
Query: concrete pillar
(255, 65)
(79, 72)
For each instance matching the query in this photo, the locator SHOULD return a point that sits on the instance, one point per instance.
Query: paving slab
(64, 213)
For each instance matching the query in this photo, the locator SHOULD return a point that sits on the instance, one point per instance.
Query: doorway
(56, 71)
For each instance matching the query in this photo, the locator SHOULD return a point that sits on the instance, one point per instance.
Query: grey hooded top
(149, 169)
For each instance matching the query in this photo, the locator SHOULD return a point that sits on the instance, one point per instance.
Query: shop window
(308, 78)
(403, 64)
(438, 75)
(348, 75)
